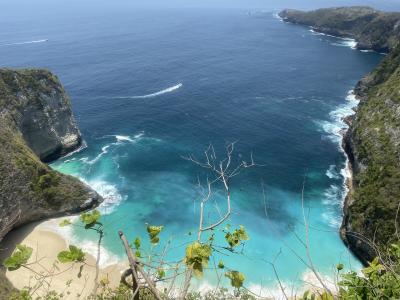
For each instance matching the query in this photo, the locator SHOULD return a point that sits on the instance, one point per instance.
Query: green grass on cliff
(371, 28)
(376, 136)
(30, 190)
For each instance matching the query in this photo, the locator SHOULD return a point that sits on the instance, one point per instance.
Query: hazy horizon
(26, 6)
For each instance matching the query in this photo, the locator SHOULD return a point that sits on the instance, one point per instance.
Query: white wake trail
(162, 92)
(24, 43)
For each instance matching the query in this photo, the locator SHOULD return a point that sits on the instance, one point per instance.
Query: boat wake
(25, 43)
(159, 93)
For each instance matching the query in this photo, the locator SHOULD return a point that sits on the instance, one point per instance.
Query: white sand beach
(46, 244)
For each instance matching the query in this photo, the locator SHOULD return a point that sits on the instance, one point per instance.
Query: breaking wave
(112, 197)
(345, 42)
(107, 258)
(342, 42)
(335, 127)
(332, 173)
(162, 92)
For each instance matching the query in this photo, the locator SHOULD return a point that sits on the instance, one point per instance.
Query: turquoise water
(151, 86)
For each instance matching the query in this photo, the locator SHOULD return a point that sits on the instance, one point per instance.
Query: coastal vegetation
(371, 210)
(371, 224)
(36, 121)
(373, 29)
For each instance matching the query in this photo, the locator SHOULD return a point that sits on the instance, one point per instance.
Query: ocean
(149, 87)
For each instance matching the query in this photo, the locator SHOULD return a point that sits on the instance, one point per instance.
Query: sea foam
(336, 125)
(331, 172)
(107, 258)
(112, 197)
(334, 130)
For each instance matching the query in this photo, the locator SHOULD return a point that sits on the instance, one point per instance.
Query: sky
(59, 5)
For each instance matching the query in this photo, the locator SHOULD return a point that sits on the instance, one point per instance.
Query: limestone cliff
(372, 29)
(373, 146)
(36, 124)
(373, 141)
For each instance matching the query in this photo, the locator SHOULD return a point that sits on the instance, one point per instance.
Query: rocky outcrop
(36, 124)
(372, 143)
(41, 110)
(372, 29)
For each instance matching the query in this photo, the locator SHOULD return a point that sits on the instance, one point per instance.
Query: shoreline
(50, 236)
(47, 242)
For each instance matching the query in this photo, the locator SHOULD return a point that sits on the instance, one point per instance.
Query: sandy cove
(46, 244)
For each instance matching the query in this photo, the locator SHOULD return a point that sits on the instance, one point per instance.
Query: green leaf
(74, 254)
(236, 278)
(64, 223)
(137, 243)
(160, 273)
(339, 267)
(137, 253)
(90, 219)
(154, 231)
(197, 257)
(19, 257)
(236, 237)
(221, 265)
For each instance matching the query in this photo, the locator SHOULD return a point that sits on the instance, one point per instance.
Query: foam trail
(126, 138)
(83, 146)
(162, 92)
(104, 150)
(25, 43)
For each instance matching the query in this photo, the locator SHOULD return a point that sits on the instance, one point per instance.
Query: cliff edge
(36, 124)
(372, 29)
(373, 147)
(372, 142)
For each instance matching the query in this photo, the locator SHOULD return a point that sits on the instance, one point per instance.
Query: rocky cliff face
(372, 29)
(373, 141)
(41, 110)
(373, 146)
(36, 124)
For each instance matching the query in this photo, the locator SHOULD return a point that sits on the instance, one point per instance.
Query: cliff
(372, 29)
(372, 142)
(373, 146)
(36, 124)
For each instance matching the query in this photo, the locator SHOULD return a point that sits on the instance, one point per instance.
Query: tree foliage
(91, 218)
(153, 232)
(236, 278)
(74, 254)
(20, 257)
(236, 237)
(197, 257)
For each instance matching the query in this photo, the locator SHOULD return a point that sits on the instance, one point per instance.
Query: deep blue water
(276, 89)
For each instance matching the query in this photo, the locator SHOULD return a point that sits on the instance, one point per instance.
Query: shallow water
(149, 87)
